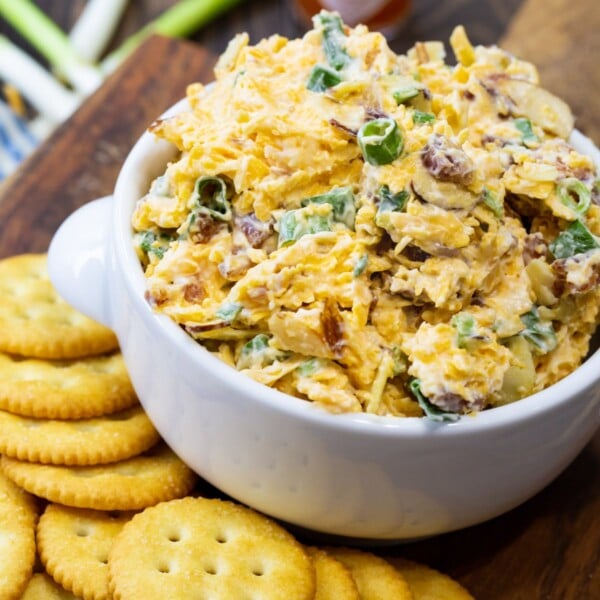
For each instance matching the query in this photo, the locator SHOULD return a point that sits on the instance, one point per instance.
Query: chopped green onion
(575, 239)
(256, 344)
(361, 265)
(526, 129)
(308, 367)
(342, 202)
(333, 33)
(322, 78)
(153, 243)
(432, 412)
(211, 197)
(464, 323)
(181, 20)
(390, 202)
(381, 141)
(405, 94)
(422, 117)
(296, 223)
(575, 195)
(492, 203)
(540, 334)
(229, 312)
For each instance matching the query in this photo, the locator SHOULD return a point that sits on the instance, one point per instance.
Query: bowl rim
(531, 407)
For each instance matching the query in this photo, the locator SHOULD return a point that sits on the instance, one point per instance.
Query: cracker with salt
(42, 587)
(131, 484)
(35, 321)
(207, 548)
(74, 543)
(426, 583)
(333, 580)
(99, 440)
(18, 516)
(65, 389)
(375, 578)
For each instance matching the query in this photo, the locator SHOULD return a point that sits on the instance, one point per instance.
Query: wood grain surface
(549, 547)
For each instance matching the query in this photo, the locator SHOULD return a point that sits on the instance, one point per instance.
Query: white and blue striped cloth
(17, 140)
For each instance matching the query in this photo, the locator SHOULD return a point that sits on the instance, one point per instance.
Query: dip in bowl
(467, 229)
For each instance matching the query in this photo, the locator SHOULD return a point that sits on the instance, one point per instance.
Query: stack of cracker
(94, 505)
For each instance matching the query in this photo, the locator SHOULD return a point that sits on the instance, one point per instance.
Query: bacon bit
(200, 328)
(422, 54)
(335, 123)
(455, 403)
(446, 161)
(374, 113)
(561, 270)
(255, 230)
(203, 229)
(155, 299)
(333, 327)
(534, 247)
(415, 253)
(194, 292)
(468, 95)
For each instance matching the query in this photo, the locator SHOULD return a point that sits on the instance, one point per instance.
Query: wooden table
(546, 549)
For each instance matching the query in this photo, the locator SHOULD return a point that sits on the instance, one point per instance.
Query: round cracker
(130, 484)
(208, 548)
(35, 321)
(333, 579)
(17, 539)
(73, 544)
(42, 587)
(63, 389)
(77, 442)
(375, 578)
(426, 583)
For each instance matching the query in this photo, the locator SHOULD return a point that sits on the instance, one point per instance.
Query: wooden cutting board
(548, 548)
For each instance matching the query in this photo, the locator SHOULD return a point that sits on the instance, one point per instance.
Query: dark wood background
(549, 547)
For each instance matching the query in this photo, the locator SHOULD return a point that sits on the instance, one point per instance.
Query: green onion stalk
(180, 20)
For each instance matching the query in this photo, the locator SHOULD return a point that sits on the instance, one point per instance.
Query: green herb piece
(422, 117)
(322, 78)
(342, 202)
(153, 243)
(180, 20)
(464, 323)
(308, 367)
(333, 34)
(229, 312)
(257, 344)
(540, 334)
(405, 94)
(492, 203)
(390, 201)
(211, 197)
(381, 141)
(296, 223)
(526, 129)
(575, 195)
(361, 265)
(432, 412)
(575, 239)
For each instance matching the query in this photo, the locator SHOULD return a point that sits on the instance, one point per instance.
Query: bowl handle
(78, 259)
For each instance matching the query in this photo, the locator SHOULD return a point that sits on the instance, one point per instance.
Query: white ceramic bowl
(362, 476)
